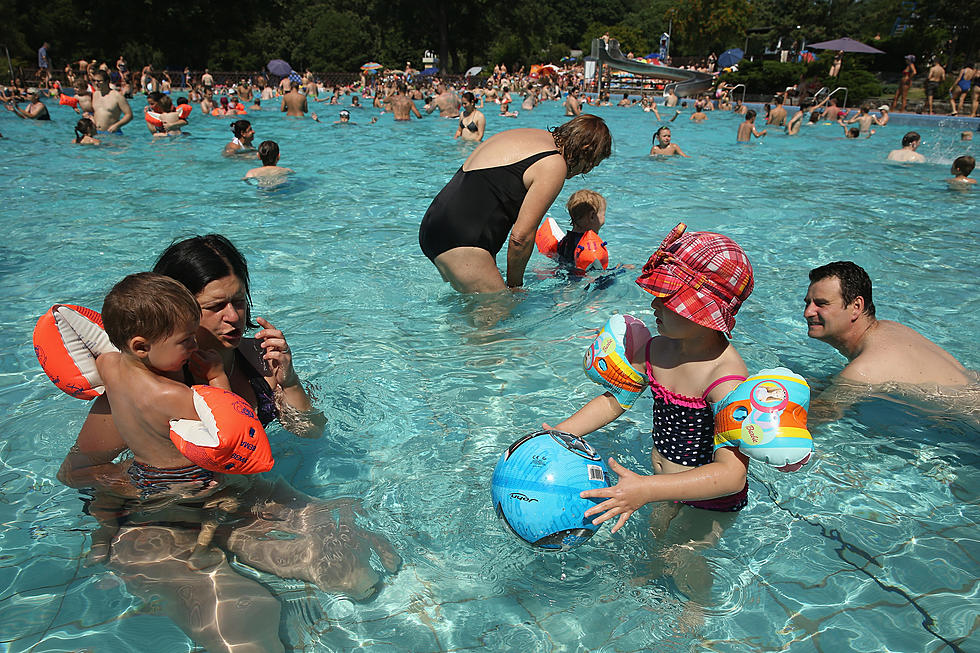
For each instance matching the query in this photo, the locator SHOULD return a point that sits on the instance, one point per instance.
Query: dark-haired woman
(85, 133)
(241, 141)
(267, 523)
(505, 187)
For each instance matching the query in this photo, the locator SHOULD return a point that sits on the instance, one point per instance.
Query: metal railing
(816, 96)
(732, 90)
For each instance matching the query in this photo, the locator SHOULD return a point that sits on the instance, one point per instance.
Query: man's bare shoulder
(893, 352)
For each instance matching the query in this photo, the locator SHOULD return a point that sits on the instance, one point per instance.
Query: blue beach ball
(536, 485)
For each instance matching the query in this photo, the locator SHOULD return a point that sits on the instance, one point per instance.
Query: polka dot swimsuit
(684, 433)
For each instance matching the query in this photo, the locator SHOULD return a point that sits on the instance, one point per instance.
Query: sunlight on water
(871, 547)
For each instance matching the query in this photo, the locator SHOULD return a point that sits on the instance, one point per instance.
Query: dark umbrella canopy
(279, 67)
(731, 57)
(847, 45)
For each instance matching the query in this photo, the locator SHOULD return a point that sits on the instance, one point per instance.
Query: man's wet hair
(750, 114)
(854, 282)
(910, 138)
(964, 165)
(269, 152)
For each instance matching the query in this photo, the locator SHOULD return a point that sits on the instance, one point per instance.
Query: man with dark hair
(111, 109)
(840, 311)
(908, 154)
(294, 102)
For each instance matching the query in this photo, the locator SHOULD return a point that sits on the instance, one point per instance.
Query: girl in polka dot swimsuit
(698, 280)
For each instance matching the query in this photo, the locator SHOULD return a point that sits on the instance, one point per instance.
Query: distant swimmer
(662, 145)
(294, 102)
(747, 129)
(35, 108)
(472, 123)
(908, 154)
(573, 107)
(446, 101)
(399, 104)
(934, 78)
(839, 311)
(699, 115)
(777, 116)
(241, 142)
(882, 120)
(269, 153)
(864, 119)
(344, 120)
(962, 167)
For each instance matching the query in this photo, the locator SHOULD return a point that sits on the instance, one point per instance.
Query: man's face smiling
(826, 316)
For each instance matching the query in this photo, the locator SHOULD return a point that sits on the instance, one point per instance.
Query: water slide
(686, 82)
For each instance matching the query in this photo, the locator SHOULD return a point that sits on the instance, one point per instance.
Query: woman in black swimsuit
(505, 187)
(472, 122)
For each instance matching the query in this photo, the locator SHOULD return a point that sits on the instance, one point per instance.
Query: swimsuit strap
(716, 382)
(675, 397)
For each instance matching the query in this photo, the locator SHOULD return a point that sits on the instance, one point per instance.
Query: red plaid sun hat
(702, 276)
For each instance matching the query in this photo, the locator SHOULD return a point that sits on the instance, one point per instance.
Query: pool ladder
(832, 93)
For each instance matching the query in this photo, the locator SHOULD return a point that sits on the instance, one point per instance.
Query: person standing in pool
(472, 123)
(572, 105)
(110, 107)
(446, 101)
(698, 280)
(294, 102)
(747, 129)
(839, 310)
(400, 105)
(503, 189)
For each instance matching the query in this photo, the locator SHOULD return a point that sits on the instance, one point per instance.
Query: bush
(771, 77)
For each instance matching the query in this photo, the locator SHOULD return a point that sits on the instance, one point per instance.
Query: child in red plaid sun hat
(699, 280)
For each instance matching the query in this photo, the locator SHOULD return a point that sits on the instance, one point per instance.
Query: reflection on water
(423, 389)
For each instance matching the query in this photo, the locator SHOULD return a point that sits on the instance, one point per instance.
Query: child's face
(171, 353)
(672, 325)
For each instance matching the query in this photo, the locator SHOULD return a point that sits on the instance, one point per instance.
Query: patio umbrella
(731, 57)
(371, 67)
(279, 67)
(475, 70)
(294, 76)
(847, 45)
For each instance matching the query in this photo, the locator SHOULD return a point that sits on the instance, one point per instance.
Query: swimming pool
(873, 547)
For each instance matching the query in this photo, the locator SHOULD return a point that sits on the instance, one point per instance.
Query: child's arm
(723, 476)
(680, 151)
(592, 416)
(207, 365)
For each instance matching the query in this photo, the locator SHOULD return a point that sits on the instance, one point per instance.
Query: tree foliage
(330, 35)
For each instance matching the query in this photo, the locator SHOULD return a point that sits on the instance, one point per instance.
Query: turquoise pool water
(873, 547)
